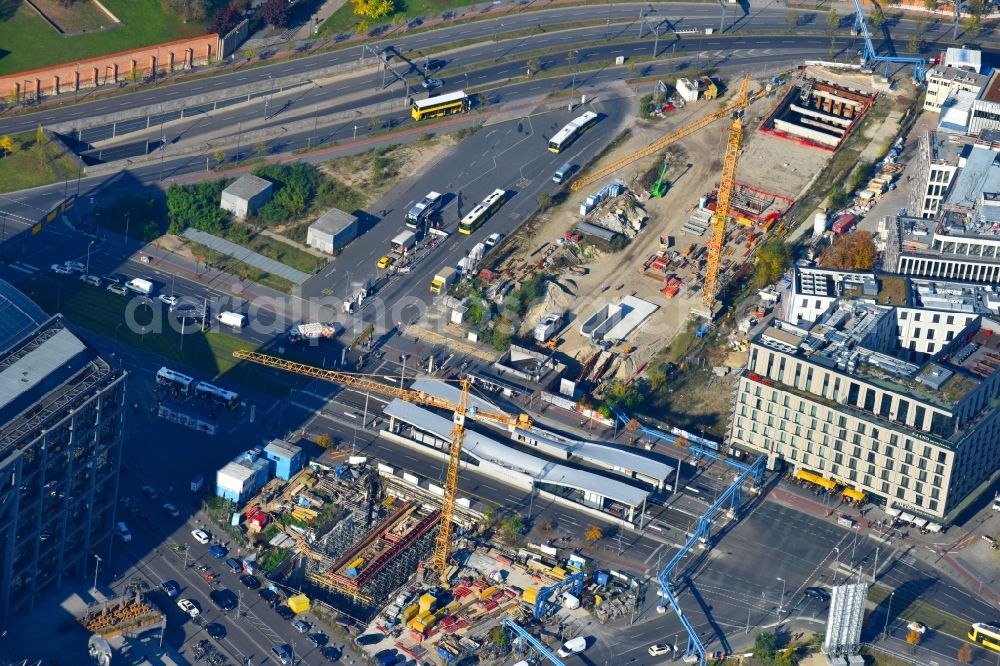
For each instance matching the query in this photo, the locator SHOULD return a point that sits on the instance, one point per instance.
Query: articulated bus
(217, 395)
(442, 105)
(573, 129)
(986, 635)
(482, 212)
(174, 380)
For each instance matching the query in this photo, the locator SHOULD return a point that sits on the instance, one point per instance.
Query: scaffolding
(121, 616)
(365, 566)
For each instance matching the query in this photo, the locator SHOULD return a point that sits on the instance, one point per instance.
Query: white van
(572, 646)
(234, 319)
(140, 286)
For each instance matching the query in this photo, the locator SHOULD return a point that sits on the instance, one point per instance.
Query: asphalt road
(680, 15)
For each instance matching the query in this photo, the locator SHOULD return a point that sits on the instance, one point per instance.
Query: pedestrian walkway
(250, 257)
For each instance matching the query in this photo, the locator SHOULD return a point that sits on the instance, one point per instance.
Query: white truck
(233, 319)
(443, 278)
(547, 327)
(140, 286)
(572, 646)
(570, 601)
(403, 243)
(417, 216)
(311, 331)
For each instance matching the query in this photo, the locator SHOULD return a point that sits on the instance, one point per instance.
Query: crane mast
(461, 409)
(727, 183)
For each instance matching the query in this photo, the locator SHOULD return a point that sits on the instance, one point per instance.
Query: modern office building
(61, 418)
(894, 401)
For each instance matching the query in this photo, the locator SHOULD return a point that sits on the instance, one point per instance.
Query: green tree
(220, 156)
(544, 200)
(620, 395)
(838, 197)
(490, 518)
(260, 147)
(196, 206)
(877, 18)
(930, 4)
(150, 232)
(765, 646)
(773, 259)
(40, 139)
(914, 43)
(787, 658)
(832, 19)
(792, 19)
(973, 26)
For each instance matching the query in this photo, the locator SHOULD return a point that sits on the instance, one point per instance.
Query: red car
(210, 576)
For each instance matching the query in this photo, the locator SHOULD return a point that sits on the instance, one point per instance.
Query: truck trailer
(403, 243)
(311, 331)
(234, 319)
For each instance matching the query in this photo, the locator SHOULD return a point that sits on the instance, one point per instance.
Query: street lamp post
(888, 611)
(402, 357)
(836, 565)
(781, 605)
(91, 244)
(97, 567)
(128, 217)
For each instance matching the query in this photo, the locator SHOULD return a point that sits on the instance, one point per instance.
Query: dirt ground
(375, 172)
(74, 18)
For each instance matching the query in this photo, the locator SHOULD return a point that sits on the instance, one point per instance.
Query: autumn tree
(219, 155)
(832, 20)
(965, 654)
(373, 9)
(324, 441)
(275, 13)
(6, 144)
(854, 251)
(226, 18)
(593, 534)
(913, 637)
(773, 258)
(260, 147)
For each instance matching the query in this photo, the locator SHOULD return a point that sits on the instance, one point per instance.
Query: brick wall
(110, 69)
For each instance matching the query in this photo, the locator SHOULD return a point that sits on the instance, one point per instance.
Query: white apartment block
(892, 401)
(943, 81)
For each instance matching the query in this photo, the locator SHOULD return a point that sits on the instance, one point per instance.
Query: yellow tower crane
(367, 383)
(727, 182)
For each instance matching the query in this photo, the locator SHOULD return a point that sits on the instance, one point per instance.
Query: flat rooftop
(483, 448)
(991, 93)
(981, 173)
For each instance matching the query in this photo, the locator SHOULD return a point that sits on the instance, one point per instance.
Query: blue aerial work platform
(572, 583)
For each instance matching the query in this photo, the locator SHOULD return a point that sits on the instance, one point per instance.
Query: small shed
(246, 195)
(332, 231)
(287, 459)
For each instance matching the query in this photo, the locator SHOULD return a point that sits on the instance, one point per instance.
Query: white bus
(216, 394)
(482, 212)
(417, 216)
(175, 380)
(573, 129)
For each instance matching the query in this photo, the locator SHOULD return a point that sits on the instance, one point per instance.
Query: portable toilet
(298, 603)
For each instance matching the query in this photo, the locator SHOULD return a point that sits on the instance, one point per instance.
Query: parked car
(59, 269)
(171, 588)
(302, 626)
(234, 565)
(201, 536)
(171, 510)
(660, 649)
(215, 630)
(168, 300)
(284, 612)
(123, 532)
(268, 595)
(91, 280)
(250, 582)
(318, 639)
(75, 266)
(218, 552)
(189, 607)
(225, 599)
(283, 653)
(431, 83)
(150, 492)
(117, 289)
(385, 261)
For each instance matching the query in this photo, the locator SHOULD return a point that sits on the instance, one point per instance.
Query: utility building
(244, 476)
(288, 459)
(332, 231)
(892, 402)
(246, 195)
(61, 416)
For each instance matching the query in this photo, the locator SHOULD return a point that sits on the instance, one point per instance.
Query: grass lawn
(30, 43)
(227, 264)
(103, 313)
(914, 609)
(31, 164)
